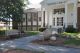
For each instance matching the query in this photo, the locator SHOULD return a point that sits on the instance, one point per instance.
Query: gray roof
(32, 10)
(52, 1)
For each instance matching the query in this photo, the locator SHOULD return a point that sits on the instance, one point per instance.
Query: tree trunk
(44, 19)
(21, 26)
(9, 23)
(26, 22)
(14, 24)
(37, 21)
(31, 22)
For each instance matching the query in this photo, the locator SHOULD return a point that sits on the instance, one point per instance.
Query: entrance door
(58, 22)
(58, 15)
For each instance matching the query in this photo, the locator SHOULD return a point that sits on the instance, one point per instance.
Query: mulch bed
(58, 42)
(11, 37)
(18, 51)
(49, 42)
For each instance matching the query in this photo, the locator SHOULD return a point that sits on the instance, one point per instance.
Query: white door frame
(58, 16)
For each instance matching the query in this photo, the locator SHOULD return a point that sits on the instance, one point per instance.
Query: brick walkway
(24, 43)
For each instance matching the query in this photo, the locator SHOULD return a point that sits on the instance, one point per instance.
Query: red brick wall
(78, 18)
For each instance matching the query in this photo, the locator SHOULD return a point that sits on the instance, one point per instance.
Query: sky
(35, 3)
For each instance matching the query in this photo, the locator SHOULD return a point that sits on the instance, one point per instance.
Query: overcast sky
(35, 3)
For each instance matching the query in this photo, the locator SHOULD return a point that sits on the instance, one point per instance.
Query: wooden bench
(12, 32)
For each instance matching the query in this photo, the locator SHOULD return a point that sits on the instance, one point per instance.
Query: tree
(12, 9)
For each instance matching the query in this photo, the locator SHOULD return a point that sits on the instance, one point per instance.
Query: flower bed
(19, 51)
(60, 41)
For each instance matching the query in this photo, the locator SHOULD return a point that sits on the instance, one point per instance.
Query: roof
(56, 1)
(32, 10)
(52, 1)
(4, 19)
(1, 19)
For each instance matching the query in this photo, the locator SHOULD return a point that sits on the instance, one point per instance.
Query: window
(59, 11)
(39, 18)
(29, 17)
(59, 21)
(54, 21)
(35, 17)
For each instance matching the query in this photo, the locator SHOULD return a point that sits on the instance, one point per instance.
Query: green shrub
(32, 32)
(2, 32)
(70, 29)
(42, 29)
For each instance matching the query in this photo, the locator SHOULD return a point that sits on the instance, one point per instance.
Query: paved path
(24, 43)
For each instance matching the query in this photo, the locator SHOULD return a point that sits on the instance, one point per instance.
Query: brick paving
(24, 43)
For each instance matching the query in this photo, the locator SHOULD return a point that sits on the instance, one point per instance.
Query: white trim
(70, 16)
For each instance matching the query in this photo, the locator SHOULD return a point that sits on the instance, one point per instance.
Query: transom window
(59, 11)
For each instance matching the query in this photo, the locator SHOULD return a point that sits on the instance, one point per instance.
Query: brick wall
(78, 18)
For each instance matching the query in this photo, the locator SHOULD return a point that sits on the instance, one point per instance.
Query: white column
(66, 15)
(42, 17)
(47, 17)
(50, 16)
(75, 15)
(55, 22)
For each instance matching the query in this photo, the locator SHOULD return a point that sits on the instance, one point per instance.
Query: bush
(2, 32)
(70, 29)
(32, 32)
(42, 29)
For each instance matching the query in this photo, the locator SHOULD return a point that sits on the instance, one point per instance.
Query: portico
(59, 13)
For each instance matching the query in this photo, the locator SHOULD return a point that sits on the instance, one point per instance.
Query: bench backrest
(12, 32)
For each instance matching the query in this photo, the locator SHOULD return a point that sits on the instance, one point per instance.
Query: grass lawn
(73, 35)
(72, 42)
(27, 33)
(62, 41)
(75, 38)
(32, 32)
